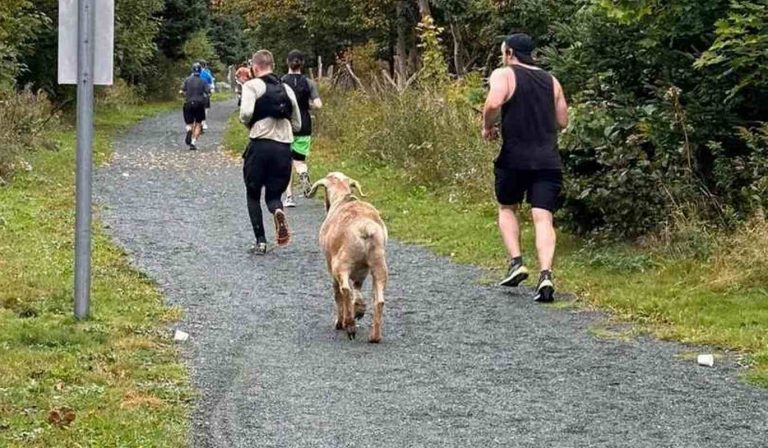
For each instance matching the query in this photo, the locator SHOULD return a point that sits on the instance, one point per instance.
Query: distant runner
(270, 111)
(532, 108)
(207, 76)
(308, 97)
(196, 94)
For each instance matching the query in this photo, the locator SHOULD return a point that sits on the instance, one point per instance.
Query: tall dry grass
(434, 140)
(26, 118)
(742, 256)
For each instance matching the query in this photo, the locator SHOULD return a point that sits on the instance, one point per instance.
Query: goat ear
(320, 183)
(355, 184)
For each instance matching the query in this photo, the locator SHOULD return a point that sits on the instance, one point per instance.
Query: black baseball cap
(296, 55)
(523, 46)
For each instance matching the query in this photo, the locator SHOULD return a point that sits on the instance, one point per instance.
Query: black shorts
(298, 157)
(541, 188)
(208, 103)
(194, 112)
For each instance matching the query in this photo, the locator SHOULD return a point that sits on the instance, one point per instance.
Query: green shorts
(302, 145)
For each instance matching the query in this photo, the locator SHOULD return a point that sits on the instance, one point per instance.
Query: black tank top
(529, 123)
(300, 86)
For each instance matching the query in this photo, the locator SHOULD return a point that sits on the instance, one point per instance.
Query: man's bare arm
(561, 106)
(497, 96)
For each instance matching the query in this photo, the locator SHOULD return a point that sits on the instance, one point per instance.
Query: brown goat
(353, 238)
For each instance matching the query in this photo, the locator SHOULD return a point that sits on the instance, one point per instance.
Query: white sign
(104, 47)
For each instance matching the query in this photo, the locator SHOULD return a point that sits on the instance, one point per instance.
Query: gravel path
(462, 365)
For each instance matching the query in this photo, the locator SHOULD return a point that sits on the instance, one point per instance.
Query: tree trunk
(401, 47)
(458, 49)
(424, 9)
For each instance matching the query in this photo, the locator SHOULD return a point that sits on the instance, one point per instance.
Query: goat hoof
(339, 325)
(374, 340)
(351, 333)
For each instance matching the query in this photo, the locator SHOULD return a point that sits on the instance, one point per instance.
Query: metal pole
(85, 64)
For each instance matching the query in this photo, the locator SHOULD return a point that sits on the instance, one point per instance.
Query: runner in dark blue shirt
(196, 94)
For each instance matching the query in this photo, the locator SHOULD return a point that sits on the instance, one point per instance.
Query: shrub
(26, 118)
(436, 142)
(119, 95)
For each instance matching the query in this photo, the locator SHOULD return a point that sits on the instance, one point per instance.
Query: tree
(180, 19)
(18, 22)
(228, 37)
(135, 31)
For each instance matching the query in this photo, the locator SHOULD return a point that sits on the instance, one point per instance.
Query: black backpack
(275, 103)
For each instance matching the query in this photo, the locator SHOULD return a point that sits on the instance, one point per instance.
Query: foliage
(740, 51)
(199, 48)
(653, 130)
(135, 32)
(180, 20)
(27, 117)
(18, 22)
(228, 37)
(434, 70)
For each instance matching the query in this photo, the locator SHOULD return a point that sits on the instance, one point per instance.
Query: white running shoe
(289, 202)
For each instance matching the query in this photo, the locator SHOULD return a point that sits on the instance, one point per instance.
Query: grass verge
(117, 374)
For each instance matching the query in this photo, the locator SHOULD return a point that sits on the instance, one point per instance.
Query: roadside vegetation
(114, 380)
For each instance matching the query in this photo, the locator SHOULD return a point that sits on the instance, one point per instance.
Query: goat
(353, 238)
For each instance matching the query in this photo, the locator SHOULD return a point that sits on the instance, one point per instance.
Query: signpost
(86, 52)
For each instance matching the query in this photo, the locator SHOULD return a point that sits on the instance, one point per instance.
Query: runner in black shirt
(533, 109)
(196, 94)
(308, 98)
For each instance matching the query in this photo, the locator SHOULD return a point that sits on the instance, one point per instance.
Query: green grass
(665, 296)
(119, 371)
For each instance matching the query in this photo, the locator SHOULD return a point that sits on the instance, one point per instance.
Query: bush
(436, 142)
(659, 127)
(26, 118)
(119, 95)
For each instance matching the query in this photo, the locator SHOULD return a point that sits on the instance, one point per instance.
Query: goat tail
(372, 231)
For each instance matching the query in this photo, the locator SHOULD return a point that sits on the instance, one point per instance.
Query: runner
(308, 97)
(271, 113)
(532, 108)
(196, 94)
(207, 76)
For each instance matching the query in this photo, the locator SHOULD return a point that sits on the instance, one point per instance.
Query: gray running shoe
(516, 274)
(545, 291)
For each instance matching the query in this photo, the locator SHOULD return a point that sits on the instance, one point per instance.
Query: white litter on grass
(706, 360)
(180, 336)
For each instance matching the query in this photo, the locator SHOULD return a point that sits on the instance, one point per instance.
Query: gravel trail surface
(461, 365)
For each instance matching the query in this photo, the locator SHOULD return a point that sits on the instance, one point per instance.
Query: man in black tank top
(532, 108)
(308, 98)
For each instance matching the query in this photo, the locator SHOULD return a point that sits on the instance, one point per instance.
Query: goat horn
(355, 184)
(320, 183)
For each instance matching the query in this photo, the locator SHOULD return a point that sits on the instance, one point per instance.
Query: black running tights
(267, 166)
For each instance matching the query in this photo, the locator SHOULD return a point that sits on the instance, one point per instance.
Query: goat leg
(339, 306)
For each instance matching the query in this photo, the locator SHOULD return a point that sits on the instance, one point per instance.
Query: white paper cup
(706, 360)
(180, 336)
